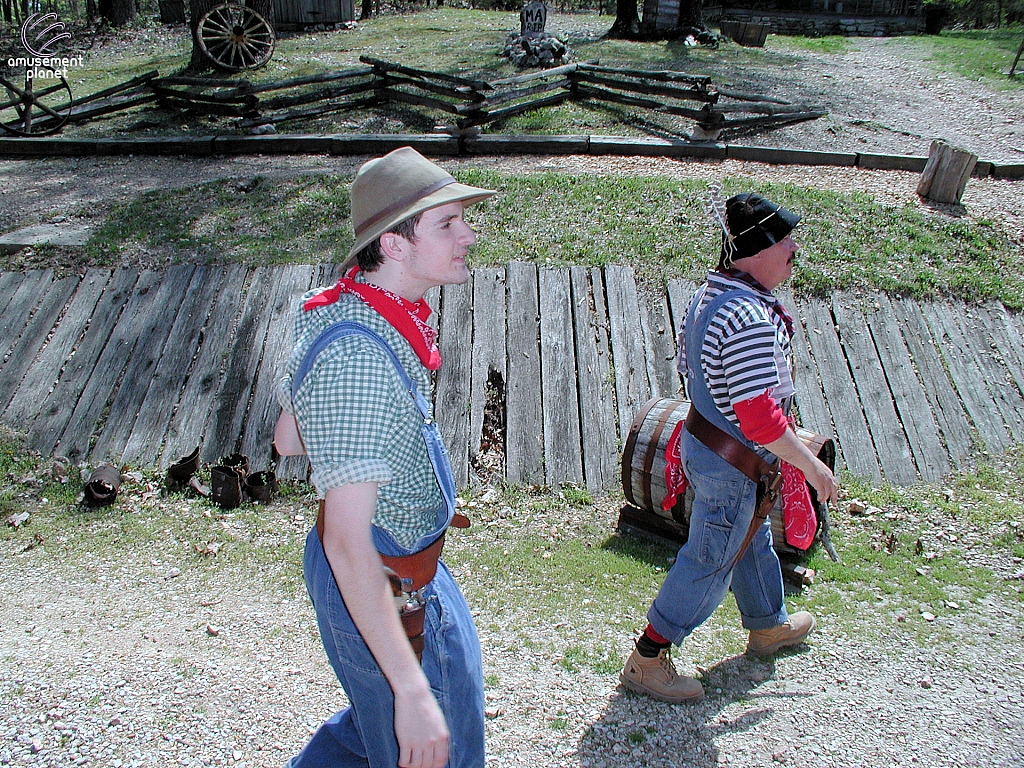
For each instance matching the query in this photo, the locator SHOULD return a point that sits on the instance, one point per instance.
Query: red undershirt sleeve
(761, 419)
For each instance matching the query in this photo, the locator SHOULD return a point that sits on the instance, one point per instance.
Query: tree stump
(945, 174)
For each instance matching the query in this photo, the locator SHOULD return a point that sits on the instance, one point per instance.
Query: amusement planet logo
(40, 34)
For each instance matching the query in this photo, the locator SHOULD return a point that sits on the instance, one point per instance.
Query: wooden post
(945, 174)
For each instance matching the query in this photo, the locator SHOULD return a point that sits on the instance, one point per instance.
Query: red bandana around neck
(409, 318)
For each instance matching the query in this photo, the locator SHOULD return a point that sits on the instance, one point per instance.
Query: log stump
(946, 173)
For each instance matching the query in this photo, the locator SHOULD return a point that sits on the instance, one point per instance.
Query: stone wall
(817, 25)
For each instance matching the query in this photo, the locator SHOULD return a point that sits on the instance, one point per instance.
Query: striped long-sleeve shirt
(746, 350)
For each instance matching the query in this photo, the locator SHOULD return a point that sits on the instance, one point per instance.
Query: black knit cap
(755, 224)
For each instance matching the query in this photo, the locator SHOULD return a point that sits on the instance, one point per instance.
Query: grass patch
(656, 225)
(984, 55)
(828, 44)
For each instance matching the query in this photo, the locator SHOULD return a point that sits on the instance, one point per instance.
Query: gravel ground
(160, 661)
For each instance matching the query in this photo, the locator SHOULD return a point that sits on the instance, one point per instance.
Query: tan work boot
(658, 679)
(764, 642)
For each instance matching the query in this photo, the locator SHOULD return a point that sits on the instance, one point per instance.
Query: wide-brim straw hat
(393, 188)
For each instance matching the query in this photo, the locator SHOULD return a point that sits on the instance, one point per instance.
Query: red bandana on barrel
(409, 318)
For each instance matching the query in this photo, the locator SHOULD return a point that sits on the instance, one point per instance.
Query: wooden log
(234, 97)
(442, 90)
(524, 435)
(782, 119)
(946, 173)
(673, 77)
(691, 94)
(489, 331)
(225, 110)
(311, 112)
(452, 394)
(565, 69)
(385, 66)
(325, 77)
(562, 446)
(590, 92)
(210, 83)
(392, 94)
(517, 109)
(504, 98)
(280, 102)
(742, 96)
(594, 372)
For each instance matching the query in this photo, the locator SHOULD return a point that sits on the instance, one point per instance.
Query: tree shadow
(639, 728)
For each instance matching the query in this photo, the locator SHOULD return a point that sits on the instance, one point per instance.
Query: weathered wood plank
(103, 377)
(659, 340)
(488, 347)
(257, 439)
(18, 312)
(23, 353)
(944, 402)
(562, 445)
(43, 374)
(223, 433)
(972, 323)
(150, 335)
(142, 446)
(1006, 340)
(596, 391)
(840, 393)
(524, 435)
(911, 403)
(891, 444)
(451, 399)
(9, 282)
(965, 370)
(632, 387)
(679, 294)
(195, 404)
(60, 403)
(810, 401)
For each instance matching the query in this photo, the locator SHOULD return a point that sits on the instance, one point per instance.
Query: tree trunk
(367, 10)
(627, 21)
(117, 12)
(196, 8)
(691, 14)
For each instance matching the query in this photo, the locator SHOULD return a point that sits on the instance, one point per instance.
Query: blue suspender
(431, 436)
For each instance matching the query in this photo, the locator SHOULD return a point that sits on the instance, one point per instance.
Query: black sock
(649, 648)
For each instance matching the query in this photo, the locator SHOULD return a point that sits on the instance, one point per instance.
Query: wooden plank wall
(140, 367)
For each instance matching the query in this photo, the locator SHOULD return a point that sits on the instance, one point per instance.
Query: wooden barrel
(643, 469)
(643, 459)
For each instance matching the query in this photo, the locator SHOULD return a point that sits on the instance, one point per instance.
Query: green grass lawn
(656, 225)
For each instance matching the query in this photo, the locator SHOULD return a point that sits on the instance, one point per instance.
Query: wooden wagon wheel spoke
(235, 37)
(28, 113)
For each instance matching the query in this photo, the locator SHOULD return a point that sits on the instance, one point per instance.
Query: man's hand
(421, 730)
(790, 449)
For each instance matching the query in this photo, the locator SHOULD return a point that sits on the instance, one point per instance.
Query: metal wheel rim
(235, 37)
(25, 111)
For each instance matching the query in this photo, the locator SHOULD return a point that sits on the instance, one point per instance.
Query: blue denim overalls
(723, 507)
(363, 734)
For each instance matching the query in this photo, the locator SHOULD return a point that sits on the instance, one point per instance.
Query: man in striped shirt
(734, 350)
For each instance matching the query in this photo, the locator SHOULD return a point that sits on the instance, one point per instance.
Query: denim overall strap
(696, 386)
(431, 436)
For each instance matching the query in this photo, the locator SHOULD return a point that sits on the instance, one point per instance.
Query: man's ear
(393, 246)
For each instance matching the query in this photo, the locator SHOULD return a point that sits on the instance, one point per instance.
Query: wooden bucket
(643, 471)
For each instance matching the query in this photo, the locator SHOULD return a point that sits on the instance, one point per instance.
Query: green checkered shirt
(357, 420)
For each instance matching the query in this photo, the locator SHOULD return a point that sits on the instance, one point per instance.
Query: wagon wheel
(26, 111)
(235, 37)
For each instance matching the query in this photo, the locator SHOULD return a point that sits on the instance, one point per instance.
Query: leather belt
(728, 447)
(416, 570)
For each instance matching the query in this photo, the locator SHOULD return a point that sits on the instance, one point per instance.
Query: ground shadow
(653, 733)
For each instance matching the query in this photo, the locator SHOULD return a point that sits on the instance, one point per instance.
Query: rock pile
(536, 50)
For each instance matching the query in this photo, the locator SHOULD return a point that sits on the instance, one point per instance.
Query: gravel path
(160, 661)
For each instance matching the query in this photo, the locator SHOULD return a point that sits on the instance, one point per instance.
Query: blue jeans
(363, 734)
(723, 507)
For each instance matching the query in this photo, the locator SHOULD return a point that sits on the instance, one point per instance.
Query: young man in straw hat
(734, 349)
(360, 394)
